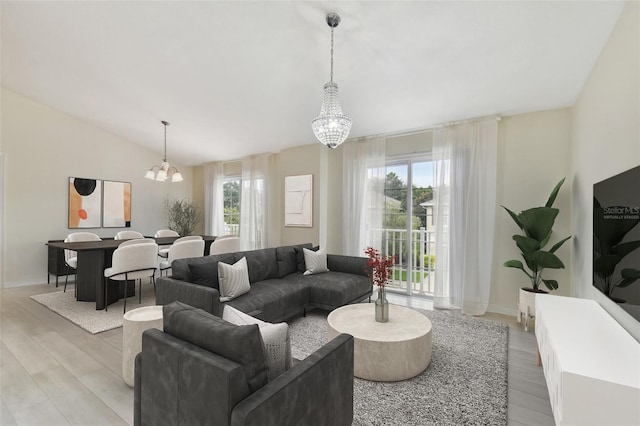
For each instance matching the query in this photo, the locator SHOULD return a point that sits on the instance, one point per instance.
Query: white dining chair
(164, 253)
(225, 245)
(183, 250)
(71, 257)
(128, 235)
(163, 250)
(137, 241)
(166, 233)
(131, 262)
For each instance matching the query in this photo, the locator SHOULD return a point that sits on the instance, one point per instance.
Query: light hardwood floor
(54, 373)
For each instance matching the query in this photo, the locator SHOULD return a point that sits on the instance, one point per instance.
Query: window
(231, 198)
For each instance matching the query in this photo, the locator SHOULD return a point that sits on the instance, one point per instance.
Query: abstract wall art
(298, 201)
(116, 205)
(85, 196)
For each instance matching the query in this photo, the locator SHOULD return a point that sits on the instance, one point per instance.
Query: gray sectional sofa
(279, 290)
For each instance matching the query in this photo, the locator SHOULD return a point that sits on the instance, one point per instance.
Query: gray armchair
(204, 371)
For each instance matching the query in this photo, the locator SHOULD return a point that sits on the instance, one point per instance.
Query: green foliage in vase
(182, 216)
(537, 224)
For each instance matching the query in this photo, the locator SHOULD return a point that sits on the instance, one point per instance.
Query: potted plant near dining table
(380, 274)
(536, 225)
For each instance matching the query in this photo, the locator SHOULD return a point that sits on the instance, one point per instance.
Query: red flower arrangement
(380, 266)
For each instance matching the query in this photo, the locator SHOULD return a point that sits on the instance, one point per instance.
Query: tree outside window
(231, 195)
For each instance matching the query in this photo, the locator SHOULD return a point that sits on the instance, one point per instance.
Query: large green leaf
(544, 260)
(554, 194)
(516, 264)
(528, 246)
(545, 240)
(551, 284)
(514, 216)
(557, 245)
(537, 222)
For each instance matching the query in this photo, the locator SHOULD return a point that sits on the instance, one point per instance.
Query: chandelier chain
(165, 141)
(331, 76)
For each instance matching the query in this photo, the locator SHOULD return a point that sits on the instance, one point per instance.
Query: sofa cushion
(277, 299)
(240, 344)
(275, 337)
(286, 261)
(334, 288)
(200, 270)
(300, 255)
(315, 261)
(263, 263)
(234, 279)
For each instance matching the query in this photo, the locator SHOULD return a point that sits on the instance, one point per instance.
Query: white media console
(591, 364)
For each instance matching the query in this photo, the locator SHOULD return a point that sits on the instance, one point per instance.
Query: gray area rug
(465, 384)
(84, 314)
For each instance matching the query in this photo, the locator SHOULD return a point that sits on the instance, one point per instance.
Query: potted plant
(536, 224)
(182, 216)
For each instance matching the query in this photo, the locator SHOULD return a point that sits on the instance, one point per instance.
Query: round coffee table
(384, 351)
(134, 323)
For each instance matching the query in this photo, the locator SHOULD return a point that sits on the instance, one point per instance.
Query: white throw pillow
(315, 261)
(274, 336)
(234, 279)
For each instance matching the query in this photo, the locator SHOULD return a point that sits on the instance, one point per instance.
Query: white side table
(384, 351)
(135, 322)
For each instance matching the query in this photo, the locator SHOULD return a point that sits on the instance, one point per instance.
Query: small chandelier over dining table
(164, 170)
(331, 127)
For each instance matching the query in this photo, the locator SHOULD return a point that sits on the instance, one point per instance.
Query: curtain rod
(427, 129)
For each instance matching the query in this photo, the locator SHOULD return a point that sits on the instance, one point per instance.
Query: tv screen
(616, 239)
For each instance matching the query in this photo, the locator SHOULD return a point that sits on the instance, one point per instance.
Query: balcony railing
(415, 267)
(231, 229)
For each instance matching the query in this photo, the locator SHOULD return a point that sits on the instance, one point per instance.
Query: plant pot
(527, 305)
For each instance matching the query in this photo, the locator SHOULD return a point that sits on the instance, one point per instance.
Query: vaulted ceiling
(239, 78)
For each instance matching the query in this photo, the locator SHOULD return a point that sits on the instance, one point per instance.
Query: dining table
(94, 257)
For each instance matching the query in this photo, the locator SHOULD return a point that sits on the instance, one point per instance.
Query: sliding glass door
(408, 224)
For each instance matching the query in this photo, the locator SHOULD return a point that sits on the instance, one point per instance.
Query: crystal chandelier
(164, 171)
(331, 127)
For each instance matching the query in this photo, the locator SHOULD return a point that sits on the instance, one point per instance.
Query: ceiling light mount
(333, 19)
(164, 171)
(331, 127)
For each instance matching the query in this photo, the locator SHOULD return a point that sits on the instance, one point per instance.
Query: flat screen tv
(616, 239)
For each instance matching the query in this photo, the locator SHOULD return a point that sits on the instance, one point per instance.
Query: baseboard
(504, 310)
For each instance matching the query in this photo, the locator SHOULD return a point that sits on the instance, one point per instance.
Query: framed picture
(116, 204)
(298, 201)
(85, 196)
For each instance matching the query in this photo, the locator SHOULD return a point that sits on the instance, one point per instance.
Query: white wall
(606, 141)
(534, 153)
(42, 148)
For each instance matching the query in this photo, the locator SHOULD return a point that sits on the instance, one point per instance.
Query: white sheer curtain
(213, 199)
(363, 177)
(465, 157)
(253, 202)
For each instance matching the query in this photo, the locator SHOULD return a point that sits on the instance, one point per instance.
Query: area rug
(465, 384)
(85, 315)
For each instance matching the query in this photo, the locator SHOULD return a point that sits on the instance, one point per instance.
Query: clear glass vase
(382, 306)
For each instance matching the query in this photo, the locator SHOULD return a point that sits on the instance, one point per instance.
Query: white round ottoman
(135, 322)
(384, 351)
